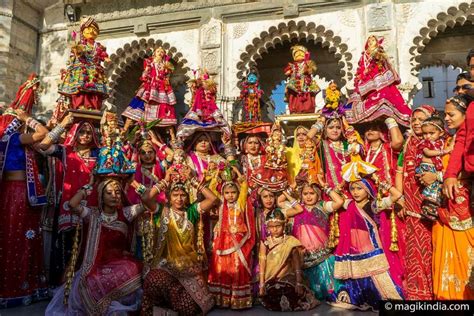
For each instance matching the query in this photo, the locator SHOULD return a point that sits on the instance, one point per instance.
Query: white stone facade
(226, 37)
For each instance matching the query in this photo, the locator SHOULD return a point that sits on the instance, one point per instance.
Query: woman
(253, 159)
(176, 280)
(334, 153)
(200, 153)
(453, 233)
(382, 147)
(294, 154)
(77, 157)
(418, 258)
(21, 250)
(361, 265)
(109, 280)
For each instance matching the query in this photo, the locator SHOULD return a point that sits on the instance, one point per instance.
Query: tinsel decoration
(71, 269)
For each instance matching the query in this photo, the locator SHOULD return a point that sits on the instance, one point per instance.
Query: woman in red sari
(109, 279)
(21, 268)
(419, 250)
(77, 158)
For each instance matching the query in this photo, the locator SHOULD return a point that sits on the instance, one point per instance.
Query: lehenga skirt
(22, 278)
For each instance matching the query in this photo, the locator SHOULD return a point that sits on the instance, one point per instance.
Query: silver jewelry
(106, 218)
(55, 133)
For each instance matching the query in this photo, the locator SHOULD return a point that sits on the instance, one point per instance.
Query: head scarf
(90, 21)
(101, 188)
(369, 186)
(261, 149)
(73, 135)
(378, 40)
(193, 142)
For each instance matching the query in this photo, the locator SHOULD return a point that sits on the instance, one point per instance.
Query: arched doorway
(439, 54)
(270, 53)
(126, 67)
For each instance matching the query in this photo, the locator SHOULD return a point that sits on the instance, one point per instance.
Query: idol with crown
(84, 80)
(204, 115)
(250, 96)
(376, 94)
(301, 88)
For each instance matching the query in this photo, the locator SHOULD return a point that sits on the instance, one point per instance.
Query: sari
(361, 265)
(230, 274)
(311, 228)
(419, 249)
(385, 160)
(280, 278)
(453, 245)
(109, 279)
(176, 279)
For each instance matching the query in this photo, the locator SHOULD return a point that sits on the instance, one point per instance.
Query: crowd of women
(347, 215)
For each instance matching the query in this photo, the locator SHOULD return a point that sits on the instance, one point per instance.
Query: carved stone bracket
(379, 17)
(210, 42)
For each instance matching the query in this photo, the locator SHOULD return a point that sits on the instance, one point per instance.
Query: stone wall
(19, 35)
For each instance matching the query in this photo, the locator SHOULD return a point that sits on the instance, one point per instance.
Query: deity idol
(156, 90)
(204, 113)
(84, 80)
(376, 93)
(250, 95)
(301, 88)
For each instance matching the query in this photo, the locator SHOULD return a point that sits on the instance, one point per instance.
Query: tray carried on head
(290, 121)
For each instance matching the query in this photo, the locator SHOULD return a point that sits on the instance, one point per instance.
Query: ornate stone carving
(347, 18)
(379, 17)
(239, 30)
(211, 34)
(210, 61)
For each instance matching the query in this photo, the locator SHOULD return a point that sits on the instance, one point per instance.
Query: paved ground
(323, 310)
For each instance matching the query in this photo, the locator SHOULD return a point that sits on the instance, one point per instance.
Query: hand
(261, 292)
(153, 138)
(225, 139)
(22, 115)
(450, 188)
(427, 178)
(67, 120)
(187, 172)
(321, 180)
(91, 179)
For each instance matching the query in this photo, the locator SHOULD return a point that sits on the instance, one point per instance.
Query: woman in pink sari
(376, 93)
(109, 280)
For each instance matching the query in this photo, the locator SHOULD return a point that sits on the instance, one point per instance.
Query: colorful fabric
(230, 265)
(23, 278)
(453, 258)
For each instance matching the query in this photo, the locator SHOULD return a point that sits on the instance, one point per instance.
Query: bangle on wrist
(32, 123)
(140, 190)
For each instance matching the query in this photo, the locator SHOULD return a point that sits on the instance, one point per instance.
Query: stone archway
(301, 32)
(459, 16)
(126, 66)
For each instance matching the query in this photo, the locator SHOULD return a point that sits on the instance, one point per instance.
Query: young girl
(234, 236)
(281, 279)
(361, 265)
(311, 228)
(430, 159)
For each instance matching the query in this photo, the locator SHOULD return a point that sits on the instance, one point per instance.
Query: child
(311, 227)
(361, 265)
(355, 149)
(230, 274)
(430, 160)
(281, 279)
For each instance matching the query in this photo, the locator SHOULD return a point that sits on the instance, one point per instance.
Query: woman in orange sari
(453, 234)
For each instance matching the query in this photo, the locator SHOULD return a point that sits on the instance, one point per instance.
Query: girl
(430, 160)
(361, 265)
(234, 236)
(281, 279)
(311, 227)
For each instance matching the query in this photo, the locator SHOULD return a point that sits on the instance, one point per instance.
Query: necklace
(339, 151)
(251, 159)
(179, 218)
(108, 218)
(375, 154)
